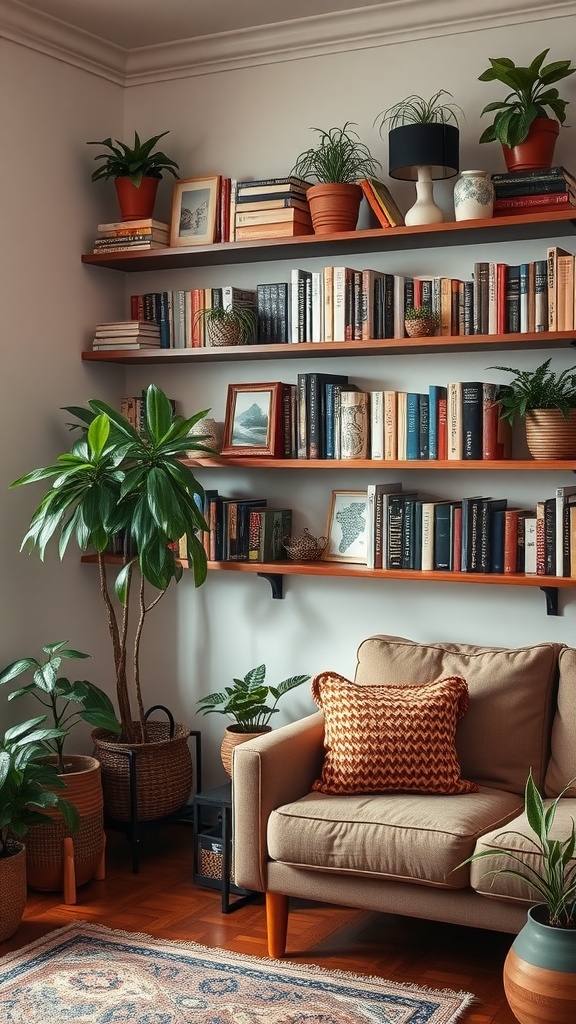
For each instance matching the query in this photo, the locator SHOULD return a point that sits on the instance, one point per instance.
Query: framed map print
(347, 528)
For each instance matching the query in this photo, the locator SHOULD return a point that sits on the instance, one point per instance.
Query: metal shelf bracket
(551, 595)
(276, 582)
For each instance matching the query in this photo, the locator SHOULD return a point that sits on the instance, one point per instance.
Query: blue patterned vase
(473, 196)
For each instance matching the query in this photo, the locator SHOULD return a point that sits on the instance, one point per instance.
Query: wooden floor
(162, 900)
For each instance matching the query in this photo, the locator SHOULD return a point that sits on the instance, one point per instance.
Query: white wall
(248, 123)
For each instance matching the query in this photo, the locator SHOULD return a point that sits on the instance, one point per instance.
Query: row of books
(550, 188)
(330, 418)
(179, 313)
(244, 529)
(474, 534)
(143, 234)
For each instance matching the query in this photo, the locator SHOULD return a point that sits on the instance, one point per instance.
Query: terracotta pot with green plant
(337, 162)
(521, 122)
(115, 482)
(228, 325)
(56, 858)
(546, 401)
(540, 968)
(29, 788)
(247, 703)
(136, 171)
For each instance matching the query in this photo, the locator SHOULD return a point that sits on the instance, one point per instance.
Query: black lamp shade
(411, 146)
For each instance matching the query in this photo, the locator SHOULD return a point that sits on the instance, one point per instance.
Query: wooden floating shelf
(506, 465)
(519, 227)
(314, 349)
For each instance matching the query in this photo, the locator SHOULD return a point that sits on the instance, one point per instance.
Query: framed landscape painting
(347, 528)
(194, 209)
(252, 423)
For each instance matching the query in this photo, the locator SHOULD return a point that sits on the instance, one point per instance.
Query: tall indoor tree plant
(116, 482)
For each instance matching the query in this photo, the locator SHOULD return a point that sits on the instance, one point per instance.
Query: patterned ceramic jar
(473, 196)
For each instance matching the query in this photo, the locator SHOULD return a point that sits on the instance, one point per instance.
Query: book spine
(510, 541)
(530, 545)
(492, 298)
(424, 426)
(376, 424)
(394, 532)
(523, 298)
(521, 202)
(302, 406)
(497, 541)
(540, 540)
(501, 288)
(474, 535)
(513, 299)
(408, 533)
(550, 536)
(390, 425)
(472, 399)
(552, 288)
(412, 426)
(442, 537)
(427, 556)
(454, 420)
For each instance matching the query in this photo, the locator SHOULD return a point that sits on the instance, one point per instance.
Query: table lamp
(423, 153)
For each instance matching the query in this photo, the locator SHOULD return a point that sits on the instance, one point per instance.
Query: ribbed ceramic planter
(334, 208)
(46, 854)
(232, 738)
(540, 973)
(136, 203)
(537, 150)
(12, 891)
(549, 435)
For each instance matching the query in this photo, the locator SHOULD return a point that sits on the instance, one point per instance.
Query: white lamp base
(425, 210)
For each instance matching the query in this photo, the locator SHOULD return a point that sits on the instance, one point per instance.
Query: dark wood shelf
(502, 465)
(312, 349)
(519, 227)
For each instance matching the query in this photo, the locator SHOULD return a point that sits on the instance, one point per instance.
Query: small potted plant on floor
(68, 702)
(546, 401)
(248, 704)
(28, 788)
(337, 162)
(521, 122)
(136, 171)
(116, 482)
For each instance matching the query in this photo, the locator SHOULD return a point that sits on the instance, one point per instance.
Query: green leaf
(98, 433)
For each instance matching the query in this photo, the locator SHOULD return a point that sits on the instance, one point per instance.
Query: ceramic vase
(473, 196)
(540, 973)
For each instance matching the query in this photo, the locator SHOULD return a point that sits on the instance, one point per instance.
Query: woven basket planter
(549, 435)
(232, 738)
(12, 891)
(163, 772)
(45, 848)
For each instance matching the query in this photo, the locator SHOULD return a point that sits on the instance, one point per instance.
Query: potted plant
(540, 968)
(115, 482)
(547, 403)
(136, 171)
(228, 325)
(423, 145)
(247, 703)
(521, 124)
(337, 162)
(48, 867)
(420, 322)
(28, 785)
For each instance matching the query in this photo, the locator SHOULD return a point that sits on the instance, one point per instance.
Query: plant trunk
(119, 649)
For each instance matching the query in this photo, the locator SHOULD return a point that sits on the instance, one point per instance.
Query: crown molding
(384, 24)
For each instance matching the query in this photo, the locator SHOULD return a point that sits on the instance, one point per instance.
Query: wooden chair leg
(277, 923)
(69, 872)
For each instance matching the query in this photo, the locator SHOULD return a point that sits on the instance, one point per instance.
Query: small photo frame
(194, 209)
(347, 529)
(253, 420)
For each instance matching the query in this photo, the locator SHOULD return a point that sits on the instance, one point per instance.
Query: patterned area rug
(87, 973)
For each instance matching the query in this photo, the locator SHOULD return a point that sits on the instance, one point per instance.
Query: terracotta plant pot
(334, 208)
(232, 738)
(549, 435)
(540, 973)
(46, 847)
(537, 150)
(13, 889)
(136, 203)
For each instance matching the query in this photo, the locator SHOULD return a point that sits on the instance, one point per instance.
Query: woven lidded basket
(164, 772)
(305, 548)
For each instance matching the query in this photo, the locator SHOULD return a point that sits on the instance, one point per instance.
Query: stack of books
(123, 334)
(382, 203)
(550, 188)
(272, 207)
(133, 234)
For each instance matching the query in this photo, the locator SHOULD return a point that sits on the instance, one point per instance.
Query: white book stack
(126, 334)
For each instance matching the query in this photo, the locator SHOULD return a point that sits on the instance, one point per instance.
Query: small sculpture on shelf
(306, 547)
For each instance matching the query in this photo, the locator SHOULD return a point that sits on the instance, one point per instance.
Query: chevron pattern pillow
(381, 738)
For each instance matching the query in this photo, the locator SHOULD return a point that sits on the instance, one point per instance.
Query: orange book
(196, 307)
(496, 433)
(442, 428)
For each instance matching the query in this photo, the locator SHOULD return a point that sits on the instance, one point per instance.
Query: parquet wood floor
(162, 900)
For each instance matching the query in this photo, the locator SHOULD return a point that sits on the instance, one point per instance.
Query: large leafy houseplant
(553, 881)
(247, 703)
(115, 481)
(135, 162)
(68, 702)
(536, 389)
(533, 92)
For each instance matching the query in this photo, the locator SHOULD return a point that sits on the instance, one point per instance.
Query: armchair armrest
(268, 772)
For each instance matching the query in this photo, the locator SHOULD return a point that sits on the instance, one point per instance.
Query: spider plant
(416, 110)
(339, 157)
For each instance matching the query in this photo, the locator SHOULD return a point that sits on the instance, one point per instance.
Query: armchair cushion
(386, 738)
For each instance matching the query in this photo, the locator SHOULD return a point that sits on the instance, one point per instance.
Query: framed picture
(253, 420)
(194, 209)
(347, 528)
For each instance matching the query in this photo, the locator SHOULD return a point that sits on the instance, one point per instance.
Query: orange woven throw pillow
(380, 738)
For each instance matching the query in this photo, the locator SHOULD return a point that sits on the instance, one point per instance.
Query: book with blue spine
(412, 425)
